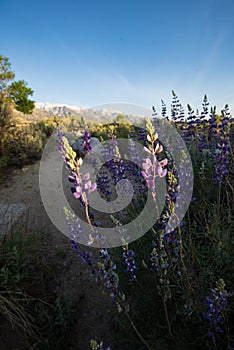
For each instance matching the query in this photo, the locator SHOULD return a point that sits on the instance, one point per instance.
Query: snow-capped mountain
(48, 106)
(62, 110)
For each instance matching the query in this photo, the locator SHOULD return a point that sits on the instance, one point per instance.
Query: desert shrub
(24, 143)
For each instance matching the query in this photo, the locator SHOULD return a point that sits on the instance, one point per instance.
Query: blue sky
(94, 52)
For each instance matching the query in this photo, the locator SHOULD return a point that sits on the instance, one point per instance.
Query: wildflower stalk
(182, 260)
(82, 185)
(168, 322)
(138, 333)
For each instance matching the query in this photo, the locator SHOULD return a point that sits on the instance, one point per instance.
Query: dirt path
(95, 310)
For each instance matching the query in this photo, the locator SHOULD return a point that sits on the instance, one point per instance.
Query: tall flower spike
(216, 303)
(222, 154)
(110, 279)
(175, 105)
(129, 262)
(164, 109)
(86, 144)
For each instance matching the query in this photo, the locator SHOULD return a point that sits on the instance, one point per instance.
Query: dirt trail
(95, 310)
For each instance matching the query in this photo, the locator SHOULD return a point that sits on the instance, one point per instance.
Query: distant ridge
(90, 114)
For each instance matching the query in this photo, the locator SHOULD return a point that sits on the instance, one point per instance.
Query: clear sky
(135, 51)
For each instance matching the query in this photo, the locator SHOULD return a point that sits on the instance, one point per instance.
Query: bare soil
(95, 310)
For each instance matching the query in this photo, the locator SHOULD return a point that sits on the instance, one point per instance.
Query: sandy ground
(95, 310)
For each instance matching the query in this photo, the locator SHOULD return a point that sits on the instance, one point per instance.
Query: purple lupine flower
(213, 126)
(110, 279)
(216, 304)
(76, 234)
(86, 144)
(181, 114)
(129, 262)
(117, 169)
(151, 171)
(113, 148)
(132, 151)
(103, 183)
(84, 255)
(222, 153)
(203, 125)
(171, 240)
(222, 159)
(159, 258)
(83, 185)
(175, 105)
(190, 133)
(60, 138)
(105, 152)
(142, 135)
(164, 109)
(205, 105)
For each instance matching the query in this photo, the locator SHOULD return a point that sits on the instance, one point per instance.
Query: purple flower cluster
(142, 135)
(222, 156)
(84, 255)
(175, 106)
(103, 183)
(116, 169)
(164, 109)
(86, 144)
(222, 159)
(75, 233)
(151, 171)
(132, 151)
(213, 126)
(110, 279)
(129, 262)
(172, 242)
(205, 111)
(152, 167)
(81, 185)
(59, 139)
(159, 261)
(216, 303)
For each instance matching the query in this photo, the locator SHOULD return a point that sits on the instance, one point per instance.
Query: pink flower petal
(87, 176)
(163, 162)
(160, 149)
(77, 195)
(145, 166)
(148, 161)
(147, 150)
(93, 187)
(163, 173)
(87, 185)
(144, 174)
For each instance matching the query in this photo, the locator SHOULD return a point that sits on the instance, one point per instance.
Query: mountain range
(101, 114)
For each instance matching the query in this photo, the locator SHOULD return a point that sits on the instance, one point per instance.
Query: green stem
(137, 332)
(168, 322)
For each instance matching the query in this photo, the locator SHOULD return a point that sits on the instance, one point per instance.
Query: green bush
(24, 143)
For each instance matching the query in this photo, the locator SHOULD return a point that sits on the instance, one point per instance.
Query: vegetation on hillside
(21, 140)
